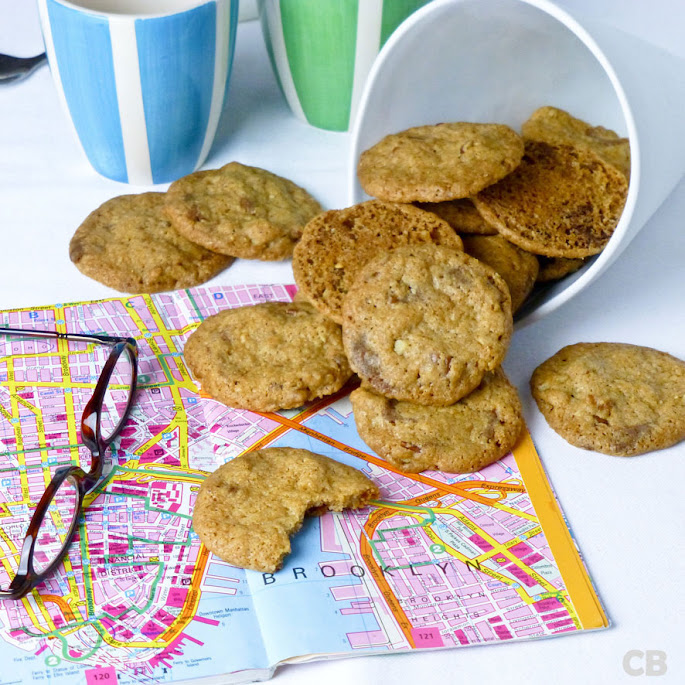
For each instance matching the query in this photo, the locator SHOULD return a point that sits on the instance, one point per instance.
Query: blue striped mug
(143, 81)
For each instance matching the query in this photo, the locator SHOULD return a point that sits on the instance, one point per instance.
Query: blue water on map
(300, 613)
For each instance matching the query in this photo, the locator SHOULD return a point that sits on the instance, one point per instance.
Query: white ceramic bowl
(499, 60)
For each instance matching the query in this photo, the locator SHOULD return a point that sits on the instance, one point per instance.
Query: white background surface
(627, 514)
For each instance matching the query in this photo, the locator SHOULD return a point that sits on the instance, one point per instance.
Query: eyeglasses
(56, 517)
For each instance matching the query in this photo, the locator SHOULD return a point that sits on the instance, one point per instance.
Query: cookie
(240, 211)
(336, 244)
(424, 323)
(555, 268)
(461, 215)
(518, 268)
(248, 508)
(561, 201)
(440, 162)
(553, 125)
(129, 245)
(461, 438)
(269, 356)
(613, 398)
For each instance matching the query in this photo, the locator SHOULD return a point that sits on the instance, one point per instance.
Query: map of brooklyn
(440, 560)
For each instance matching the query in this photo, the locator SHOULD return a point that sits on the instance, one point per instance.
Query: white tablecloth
(627, 514)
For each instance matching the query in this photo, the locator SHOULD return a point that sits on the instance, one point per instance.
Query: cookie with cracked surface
(463, 437)
(518, 268)
(248, 508)
(424, 323)
(614, 398)
(268, 356)
(461, 215)
(553, 125)
(128, 244)
(555, 268)
(439, 162)
(241, 211)
(561, 201)
(336, 244)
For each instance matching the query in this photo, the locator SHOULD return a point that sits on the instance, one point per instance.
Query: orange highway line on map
(579, 587)
(289, 423)
(192, 602)
(66, 610)
(283, 427)
(187, 612)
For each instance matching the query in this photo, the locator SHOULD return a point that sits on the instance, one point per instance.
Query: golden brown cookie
(129, 245)
(270, 356)
(424, 323)
(440, 162)
(240, 211)
(248, 508)
(553, 125)
(561, 201)
(461, 438)
(554, 268)
(518, 268)
(461, 215)
(613, 398)
(335, 245)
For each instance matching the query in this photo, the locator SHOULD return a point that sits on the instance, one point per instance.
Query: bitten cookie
(561, 201)
(461, 215)
(270, 356)
(424, 323)
(336, 244)
(463, 437)
(240, 211)
(248, 508)
(440, 162)
(612, 397)
(129, 245)
(553, 125)
(518, 268)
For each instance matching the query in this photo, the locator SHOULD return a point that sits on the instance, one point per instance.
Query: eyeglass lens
(54, 529)
(117, 395)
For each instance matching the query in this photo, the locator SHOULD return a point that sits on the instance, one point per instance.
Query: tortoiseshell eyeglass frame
(27, 577)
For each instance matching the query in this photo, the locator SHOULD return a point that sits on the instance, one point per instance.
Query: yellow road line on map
(432, 535)
(10, 565)
(172, 468)
(140, 477)
(573, 572)
(69, 409)
(21, 457)
(174, 386)
(28, 606)
(497, 546)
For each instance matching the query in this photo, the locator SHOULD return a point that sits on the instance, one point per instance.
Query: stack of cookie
(549, 210)
(153, 242)
(425, 327)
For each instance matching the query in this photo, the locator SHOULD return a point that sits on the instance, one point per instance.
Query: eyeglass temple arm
(88, 337)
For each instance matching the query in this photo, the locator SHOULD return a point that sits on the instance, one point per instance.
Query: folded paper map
(439, 561)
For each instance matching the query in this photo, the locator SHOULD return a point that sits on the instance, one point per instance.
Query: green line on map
(195, 307)
(37, 449)
(427, 512)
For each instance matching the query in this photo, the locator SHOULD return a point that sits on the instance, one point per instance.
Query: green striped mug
(322, 50)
